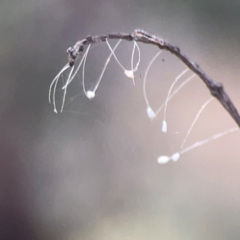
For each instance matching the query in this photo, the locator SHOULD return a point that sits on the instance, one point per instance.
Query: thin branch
(216, 89)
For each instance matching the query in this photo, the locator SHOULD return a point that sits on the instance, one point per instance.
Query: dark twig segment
(216, 89)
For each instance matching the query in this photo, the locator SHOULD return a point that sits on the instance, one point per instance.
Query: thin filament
(164, 159)
(55, 79)
(139, 57)
(55, 87)
(195, 120)
(83, 70)
(128, 73)
(145, 77)
(169, 92)
(133, 51)
(105, 66)
(114, 55)
(207, 140)
(79, 65)
(65, 89)
(138, 62)
(175, 92)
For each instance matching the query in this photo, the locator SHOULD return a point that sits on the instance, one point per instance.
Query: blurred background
(91, 172)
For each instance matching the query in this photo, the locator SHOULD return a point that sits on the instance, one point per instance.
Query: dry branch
(216, 89)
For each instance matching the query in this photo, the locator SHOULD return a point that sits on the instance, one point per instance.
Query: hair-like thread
(195, 120)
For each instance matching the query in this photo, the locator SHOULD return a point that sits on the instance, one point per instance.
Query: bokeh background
(91, 172)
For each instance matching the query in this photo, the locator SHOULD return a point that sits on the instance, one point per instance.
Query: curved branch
(216, 89)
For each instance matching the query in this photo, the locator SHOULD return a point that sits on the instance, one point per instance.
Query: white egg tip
(129, 73)
(164, 126)
(175, 156)
(90, 94)
(151, 114)
(163, 159)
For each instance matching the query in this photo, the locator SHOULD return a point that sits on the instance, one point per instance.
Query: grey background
(91, 172)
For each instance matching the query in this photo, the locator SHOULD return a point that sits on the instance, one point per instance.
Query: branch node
(216, 89)
(89, 38)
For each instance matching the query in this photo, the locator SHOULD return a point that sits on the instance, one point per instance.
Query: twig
(216, 89)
